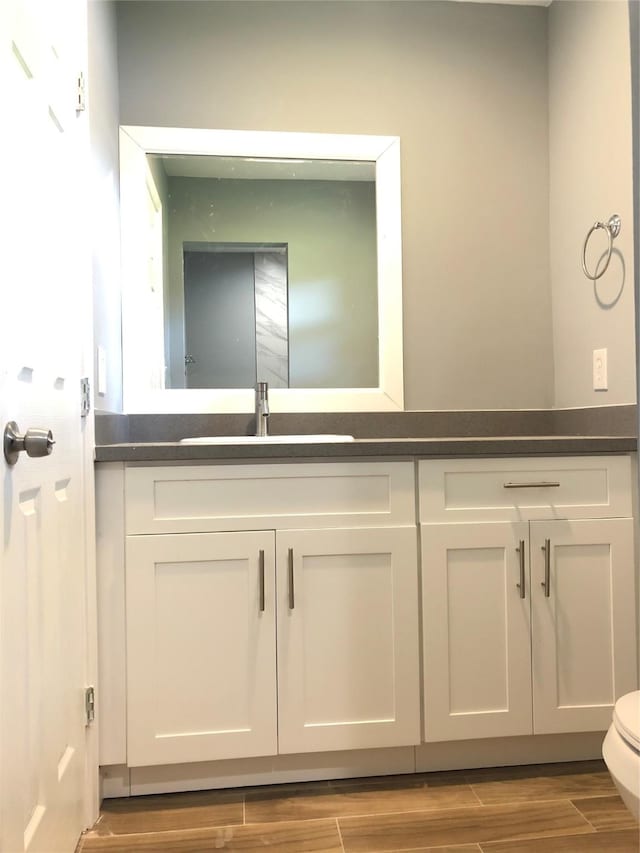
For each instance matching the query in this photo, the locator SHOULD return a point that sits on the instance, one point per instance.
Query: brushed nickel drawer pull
(292, 597)
(546, 583)
(541, 484)
(261, 570)
(521, 587)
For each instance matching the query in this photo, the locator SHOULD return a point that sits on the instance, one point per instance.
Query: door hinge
(80, 94)
(85, 396)
(89, 705)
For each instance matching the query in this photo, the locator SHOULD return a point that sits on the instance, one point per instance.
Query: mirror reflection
(236, 329)
(269, 271)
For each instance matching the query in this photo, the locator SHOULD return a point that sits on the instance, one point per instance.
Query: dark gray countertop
(422, 448)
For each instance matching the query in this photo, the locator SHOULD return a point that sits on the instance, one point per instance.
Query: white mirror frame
(135, 144)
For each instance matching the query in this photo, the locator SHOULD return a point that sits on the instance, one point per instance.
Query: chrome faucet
(262, 408)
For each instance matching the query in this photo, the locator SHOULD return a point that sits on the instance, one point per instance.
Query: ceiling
(264, 168)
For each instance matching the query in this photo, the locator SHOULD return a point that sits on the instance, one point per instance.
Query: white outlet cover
(600, 378)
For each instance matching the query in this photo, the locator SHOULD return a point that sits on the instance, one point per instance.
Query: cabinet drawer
(526, 488)
(204, 498)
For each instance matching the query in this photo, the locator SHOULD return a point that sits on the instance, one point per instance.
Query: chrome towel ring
(612, 227)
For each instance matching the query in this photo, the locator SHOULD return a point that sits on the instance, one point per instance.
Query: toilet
(621, 750)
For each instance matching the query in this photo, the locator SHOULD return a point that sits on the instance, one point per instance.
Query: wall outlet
(600, 379)
(102, 371)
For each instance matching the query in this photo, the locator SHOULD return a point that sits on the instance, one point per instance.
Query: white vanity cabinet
(201, 657)
(528, 592)
(270, 609)
(348, 642)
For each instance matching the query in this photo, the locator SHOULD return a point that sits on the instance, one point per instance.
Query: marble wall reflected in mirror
(328, 205)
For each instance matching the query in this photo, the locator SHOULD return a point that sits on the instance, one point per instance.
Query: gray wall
(634, 38)
(590, 142)
(102, 102)
(329, 228)
(464, 86)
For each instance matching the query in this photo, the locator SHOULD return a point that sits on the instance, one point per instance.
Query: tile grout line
(477, 803)
(587, 821)
(537, 836)
(475, 794)
(379, 814)
(428, 811)
(543, 798)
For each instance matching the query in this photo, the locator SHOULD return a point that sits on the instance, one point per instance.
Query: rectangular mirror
(260, 256)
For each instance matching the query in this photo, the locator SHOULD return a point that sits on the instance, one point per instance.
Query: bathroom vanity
(270, 620)
(270, 609)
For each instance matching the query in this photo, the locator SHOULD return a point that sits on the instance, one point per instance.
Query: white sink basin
(266, 439)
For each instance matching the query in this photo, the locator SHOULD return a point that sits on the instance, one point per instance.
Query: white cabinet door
(476, 630)
(584, 633)
(201, 669)
(348, 671)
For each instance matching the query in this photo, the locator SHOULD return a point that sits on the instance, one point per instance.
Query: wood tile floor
(553, 808)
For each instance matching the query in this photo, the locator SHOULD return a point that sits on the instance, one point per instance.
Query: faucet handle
(262, 389)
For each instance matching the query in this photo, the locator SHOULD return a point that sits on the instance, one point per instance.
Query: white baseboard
(278, 769)
(121, 781)
(115, 782)
(507, 751)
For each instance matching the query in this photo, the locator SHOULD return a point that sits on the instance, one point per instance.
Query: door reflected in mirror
(235, 316)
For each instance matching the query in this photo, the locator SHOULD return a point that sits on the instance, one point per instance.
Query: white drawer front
(523, 489)
(205, 498)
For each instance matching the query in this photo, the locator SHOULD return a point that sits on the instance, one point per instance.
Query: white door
(219, 319)
(348, 671)
(476, 630)
(583, 622)
(201, 655)
(44, 286)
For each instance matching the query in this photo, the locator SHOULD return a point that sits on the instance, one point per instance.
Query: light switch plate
(600, 379)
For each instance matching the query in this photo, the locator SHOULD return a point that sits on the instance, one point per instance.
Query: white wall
(590, 144)
(102, 100)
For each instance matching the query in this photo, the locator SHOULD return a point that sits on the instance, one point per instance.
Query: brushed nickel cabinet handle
(541, 484)
(521, 586)
(292, 597)
(546, 583)
(261, 571)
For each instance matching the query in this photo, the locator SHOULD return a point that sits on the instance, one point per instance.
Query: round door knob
(35, 442)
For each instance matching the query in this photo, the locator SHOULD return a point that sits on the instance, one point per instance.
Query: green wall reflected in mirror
(327, 222)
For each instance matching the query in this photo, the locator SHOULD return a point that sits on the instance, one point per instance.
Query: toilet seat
(621, 750)
(626, 719)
